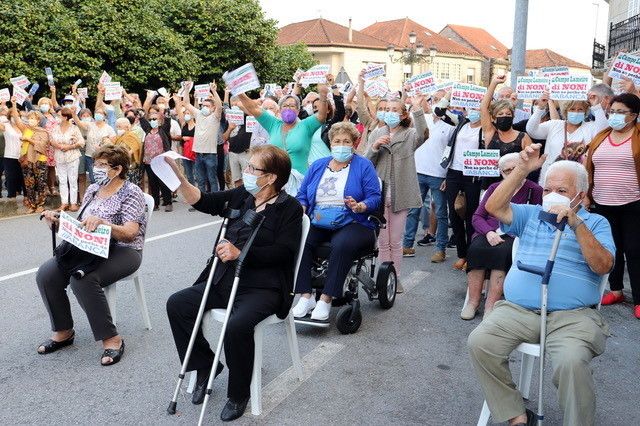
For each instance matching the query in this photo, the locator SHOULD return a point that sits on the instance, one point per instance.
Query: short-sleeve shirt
(126, 205)
(95, 135)
(331, 187)
(205, 138)
(573, 284)
(298, 140)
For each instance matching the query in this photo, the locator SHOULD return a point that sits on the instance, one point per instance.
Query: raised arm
(16, 116)
(362, 107)
(84, 126)
(216, 99)
(250, 105)
(485, 107)
(100, 96)
(323, 91)
(535, 128)
(54, 100)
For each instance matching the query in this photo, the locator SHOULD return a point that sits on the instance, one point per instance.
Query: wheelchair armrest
(380, 221)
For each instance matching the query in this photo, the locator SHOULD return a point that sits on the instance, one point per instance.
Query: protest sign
(163, 170)
(242, 79)
(374, 70)
(201, 91)
(424, 83)
(20, 94)
(445, 85)
(163, 92)
(83, 92)
(49, 74)
(234, 116)
(112, 91)
(270, 89)
(104, 78)
(185, 87)
(376, 87)
(5, 96)
(96, 242)
(626, 65)
(481, 162)
(34, 89)
(298, 74)
(467, 95)
(554, 71)
(315, 75)
(251, 124)
(570, 88)
(531, 88)
(20, 81)
(346, 88)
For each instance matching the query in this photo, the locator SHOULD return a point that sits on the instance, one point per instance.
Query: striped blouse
(615, 181)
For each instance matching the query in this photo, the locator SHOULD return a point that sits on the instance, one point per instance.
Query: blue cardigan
(362, 184)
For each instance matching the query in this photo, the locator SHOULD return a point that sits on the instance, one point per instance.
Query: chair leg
(526, 372)
(256, 375)
(292, 340)
(142, 303)
(485, 414)
(110, 293)
(193, 377)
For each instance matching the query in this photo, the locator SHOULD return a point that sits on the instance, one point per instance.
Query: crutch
(227, 214)
(545, 273)
(254, 220)
(53, 234)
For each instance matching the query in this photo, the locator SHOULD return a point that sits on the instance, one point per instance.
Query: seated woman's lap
(481, 255)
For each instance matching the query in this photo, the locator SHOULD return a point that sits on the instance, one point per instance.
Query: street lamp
(414, 54)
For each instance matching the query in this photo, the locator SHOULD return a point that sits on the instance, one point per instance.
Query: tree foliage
(144, 44)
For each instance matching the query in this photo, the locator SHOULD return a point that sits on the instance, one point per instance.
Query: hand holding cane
(254, 220)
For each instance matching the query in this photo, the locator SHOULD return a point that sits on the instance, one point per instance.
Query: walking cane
(227, 214)
(254, 220)
(545, 273)
(53, 234)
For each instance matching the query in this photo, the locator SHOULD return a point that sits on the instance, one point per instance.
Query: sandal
(52, 346)
(114, 354)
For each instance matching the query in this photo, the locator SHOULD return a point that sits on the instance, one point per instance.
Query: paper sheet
(164, 170)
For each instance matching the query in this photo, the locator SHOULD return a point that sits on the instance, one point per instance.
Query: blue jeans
(188, 170)
(206, 171)
(429, 184)
(88, 164)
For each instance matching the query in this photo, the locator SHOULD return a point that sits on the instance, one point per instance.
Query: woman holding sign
(111, 201)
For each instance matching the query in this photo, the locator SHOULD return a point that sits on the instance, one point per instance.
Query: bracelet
(574, 228)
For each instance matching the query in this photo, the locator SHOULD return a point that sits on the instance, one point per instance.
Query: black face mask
(504, 123)
(131, 119)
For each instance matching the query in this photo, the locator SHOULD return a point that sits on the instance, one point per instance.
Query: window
(456, 72)
(471, 73)
(442, 70)
(634, 8)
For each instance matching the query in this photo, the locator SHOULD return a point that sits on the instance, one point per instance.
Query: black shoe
(201, 384)
(451, 243)
(532, 419)
(233, 410)
(428, 239)
(52, 346)
(114, 354)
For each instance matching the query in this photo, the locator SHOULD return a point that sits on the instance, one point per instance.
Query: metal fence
(624, 35)
(597, 60)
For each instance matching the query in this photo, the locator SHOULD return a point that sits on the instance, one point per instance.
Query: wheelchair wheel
(344, 324)
(386, 284)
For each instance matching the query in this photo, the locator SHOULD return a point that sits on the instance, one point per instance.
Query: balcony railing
(598, 56)
(624, 35)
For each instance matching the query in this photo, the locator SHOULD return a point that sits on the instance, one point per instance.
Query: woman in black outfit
(266, 283)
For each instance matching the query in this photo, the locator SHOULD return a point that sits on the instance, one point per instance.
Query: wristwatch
(580, 222)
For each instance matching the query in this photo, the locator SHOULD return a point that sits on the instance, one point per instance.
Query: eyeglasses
(507, 171)
(252, 169)
(619, 111)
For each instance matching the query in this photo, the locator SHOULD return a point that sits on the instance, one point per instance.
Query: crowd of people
(345, 157)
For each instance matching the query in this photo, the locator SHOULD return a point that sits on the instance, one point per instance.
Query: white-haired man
(506, 92)
(575, 331)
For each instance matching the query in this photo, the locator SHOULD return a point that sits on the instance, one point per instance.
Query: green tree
(286, 60)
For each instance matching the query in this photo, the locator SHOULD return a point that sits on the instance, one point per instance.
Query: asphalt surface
(406, 365)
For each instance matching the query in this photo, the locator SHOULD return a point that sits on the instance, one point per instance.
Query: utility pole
(519, 48)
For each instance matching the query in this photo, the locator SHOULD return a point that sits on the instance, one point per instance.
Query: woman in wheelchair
(338, 193)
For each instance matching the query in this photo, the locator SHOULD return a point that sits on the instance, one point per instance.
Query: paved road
(407, 365)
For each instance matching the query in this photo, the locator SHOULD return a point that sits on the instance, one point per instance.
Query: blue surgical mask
(575, 118)
(205, 111)
(250, 183)
(380, 115)
(153, 123)
(473, 115)
(187, 117)
(392, 119)
(99, 117)
(616, 121)
(341, 153)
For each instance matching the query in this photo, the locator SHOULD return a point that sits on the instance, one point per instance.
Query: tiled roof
(397, 32)
(483, 42)
(539, 58)
(321, 32)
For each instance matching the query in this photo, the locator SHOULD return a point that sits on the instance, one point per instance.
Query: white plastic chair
(529, 351)
(217, 315)
(111, 290)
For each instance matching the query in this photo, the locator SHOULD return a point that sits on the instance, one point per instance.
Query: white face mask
(555, 199)
(309, 109)
(120, 132)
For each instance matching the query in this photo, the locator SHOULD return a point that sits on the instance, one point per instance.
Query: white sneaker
(303, 307)
(321, 311)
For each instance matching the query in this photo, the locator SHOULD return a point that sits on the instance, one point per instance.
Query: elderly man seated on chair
(576, 332)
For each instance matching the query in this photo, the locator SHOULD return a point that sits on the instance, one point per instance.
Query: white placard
(112, 91)
(20, 94)
(554, 71)
(96, 242)
(467, 95)
(20, 81)
(104, 78)
(5, 96)
(374, 70)
(234, 116)
(315, 75)
(49, 74)
(163, 92)
(626, 65)
(570, 88)
(83, 92)
(424, 83)
(250, 124)
(241, 80)
(164, 170)
(481, 162)
(202, 91)
(531, 88)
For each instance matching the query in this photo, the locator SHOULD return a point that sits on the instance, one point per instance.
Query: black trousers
(13, 175)
(626, 236)
(462, 229)
(157, 187)
(251, 306)
(346, 244)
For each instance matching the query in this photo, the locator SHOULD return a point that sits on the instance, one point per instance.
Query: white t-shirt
(429, 155)
(175, 132)
(12, 142)
(205, 140)
(331, 187)
(95, 135)
(467, 139)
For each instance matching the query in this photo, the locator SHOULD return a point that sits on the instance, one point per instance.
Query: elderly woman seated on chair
(266, 282)
(490, 248)
(119, 204)
(338, 193)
